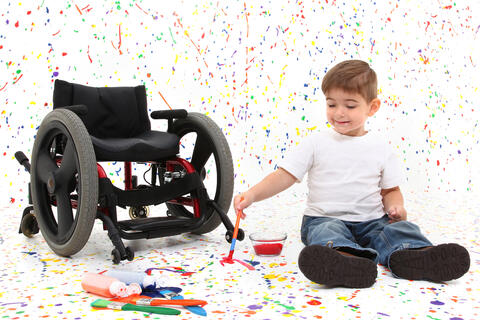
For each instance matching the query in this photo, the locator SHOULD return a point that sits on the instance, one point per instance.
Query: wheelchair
(69, 189)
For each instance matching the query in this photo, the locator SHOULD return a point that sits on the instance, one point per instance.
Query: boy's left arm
(393, 203)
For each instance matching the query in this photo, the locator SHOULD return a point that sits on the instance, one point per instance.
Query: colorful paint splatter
(255, 67)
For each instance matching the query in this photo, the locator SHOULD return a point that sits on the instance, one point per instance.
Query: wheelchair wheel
(64, 182)
(204, 145)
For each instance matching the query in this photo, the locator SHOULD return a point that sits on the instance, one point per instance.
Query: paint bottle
(103, 285)
(130, 277)
(134, 288)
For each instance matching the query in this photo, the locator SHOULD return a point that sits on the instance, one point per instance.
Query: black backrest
(113, 112)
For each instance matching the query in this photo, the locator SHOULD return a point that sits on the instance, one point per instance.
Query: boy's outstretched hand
(241, 202)
(397, 213)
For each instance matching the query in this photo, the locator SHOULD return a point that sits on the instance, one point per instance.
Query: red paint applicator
(232, 246)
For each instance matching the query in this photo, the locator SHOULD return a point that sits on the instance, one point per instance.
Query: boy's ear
(374, 106)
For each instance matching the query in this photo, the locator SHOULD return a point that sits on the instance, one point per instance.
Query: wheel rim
(201, 158)
(57, 179)
(197, 148)
(207, 140)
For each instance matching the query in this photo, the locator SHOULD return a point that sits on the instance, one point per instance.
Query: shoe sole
(326, 266)
(440, 263)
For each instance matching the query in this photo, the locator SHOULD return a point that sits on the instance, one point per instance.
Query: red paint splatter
(231, 261)
(18, 78)
(314, 302)
(226, 260)
(233, 114)
(141, 9)
(12, 200)
(119, 38)
(186, 274)
(16, 24)
(88, 54)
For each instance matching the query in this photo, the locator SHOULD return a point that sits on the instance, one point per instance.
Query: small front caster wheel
(138, 212)
(240, 235)
(116, 257)
(29, 225)
(229, 235)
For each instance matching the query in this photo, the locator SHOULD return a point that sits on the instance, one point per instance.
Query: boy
(355, 216)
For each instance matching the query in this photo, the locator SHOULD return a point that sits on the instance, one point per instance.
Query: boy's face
(347, 112)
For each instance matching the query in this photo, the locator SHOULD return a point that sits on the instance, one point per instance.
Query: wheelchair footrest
(155, 223)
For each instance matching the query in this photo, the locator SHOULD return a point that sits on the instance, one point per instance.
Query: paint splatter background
(255, 67)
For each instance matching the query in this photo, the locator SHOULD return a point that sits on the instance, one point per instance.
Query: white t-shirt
(345, 174)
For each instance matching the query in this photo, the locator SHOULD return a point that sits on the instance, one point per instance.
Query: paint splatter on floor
(35, 282)
(255, 67)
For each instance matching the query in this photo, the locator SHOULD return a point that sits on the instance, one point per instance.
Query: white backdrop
(255, 67)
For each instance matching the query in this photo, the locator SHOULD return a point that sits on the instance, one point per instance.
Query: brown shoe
(327, 266)
(440, 263)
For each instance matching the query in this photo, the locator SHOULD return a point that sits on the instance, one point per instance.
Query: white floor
(35, 283)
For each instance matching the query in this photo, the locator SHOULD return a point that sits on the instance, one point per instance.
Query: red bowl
(268, 244)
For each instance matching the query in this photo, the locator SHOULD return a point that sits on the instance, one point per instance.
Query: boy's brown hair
(354, 76)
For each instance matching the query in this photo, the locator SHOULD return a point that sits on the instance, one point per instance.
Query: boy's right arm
(274, 183)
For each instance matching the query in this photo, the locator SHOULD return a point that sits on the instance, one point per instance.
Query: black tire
(62, 135)
(229, 236)
(240, 235)
(209, 140)
(116, 257)
(29, 225)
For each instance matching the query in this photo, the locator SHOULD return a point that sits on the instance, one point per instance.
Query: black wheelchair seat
(117, 121)
(147, 146)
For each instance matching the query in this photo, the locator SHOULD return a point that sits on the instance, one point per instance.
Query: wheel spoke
(64, 212)
(45, 166)
(68, 167)
(201, 152)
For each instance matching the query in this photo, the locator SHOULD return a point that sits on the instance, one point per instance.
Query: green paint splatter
(171, 34)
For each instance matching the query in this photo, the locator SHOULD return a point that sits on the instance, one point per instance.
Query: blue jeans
(375, 239)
